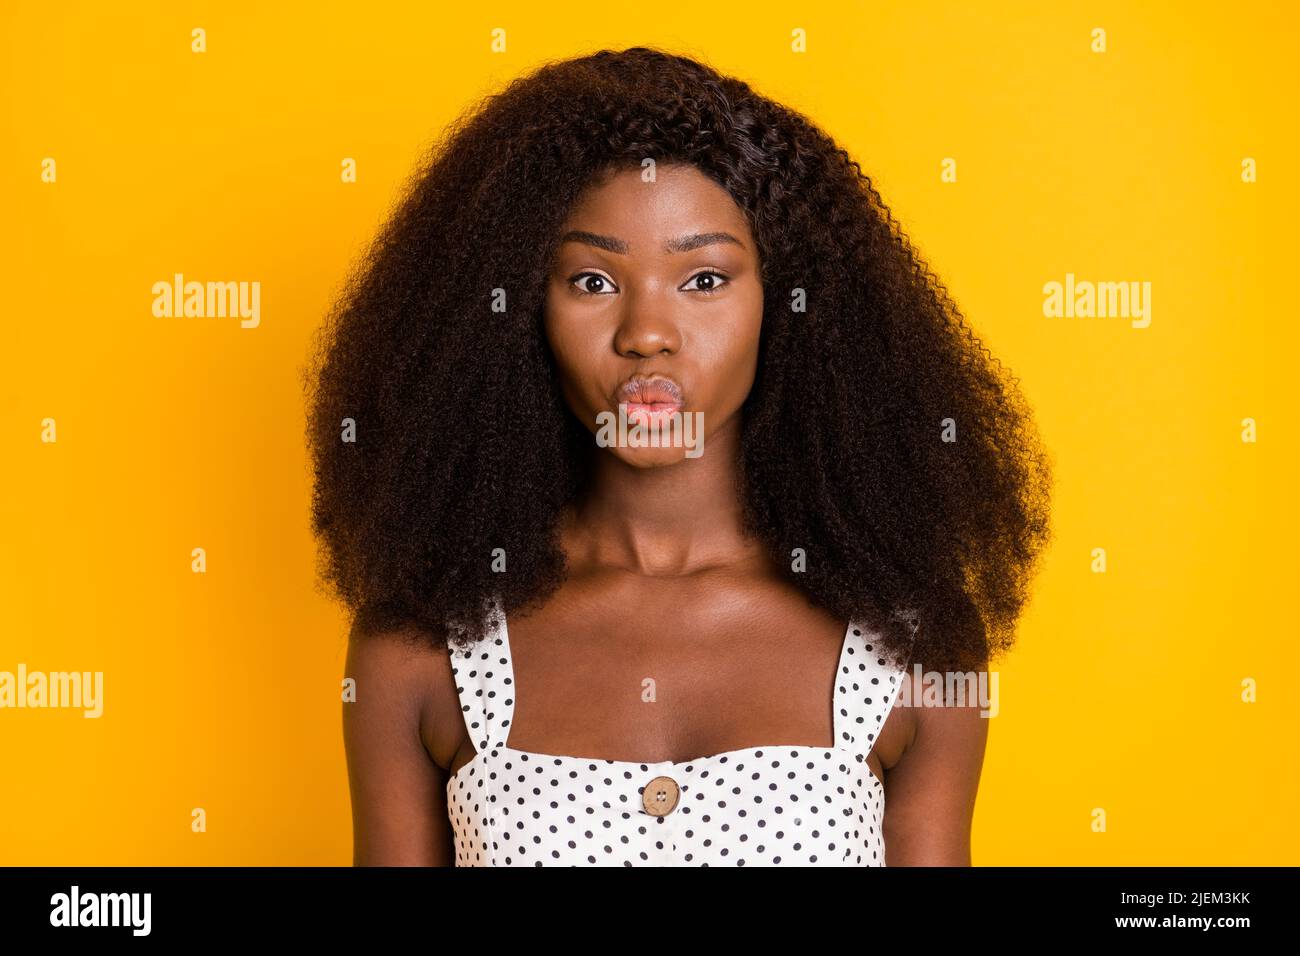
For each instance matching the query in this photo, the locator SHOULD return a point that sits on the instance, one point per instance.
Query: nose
(648, 328)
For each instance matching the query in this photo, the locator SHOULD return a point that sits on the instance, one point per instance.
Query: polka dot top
(775, 805)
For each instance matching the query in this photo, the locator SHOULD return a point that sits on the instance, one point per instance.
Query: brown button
(660, 796)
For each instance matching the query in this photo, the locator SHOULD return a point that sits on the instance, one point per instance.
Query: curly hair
(880, 436)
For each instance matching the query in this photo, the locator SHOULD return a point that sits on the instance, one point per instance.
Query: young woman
(573, 648)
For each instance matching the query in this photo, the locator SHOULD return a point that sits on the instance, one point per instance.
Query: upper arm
(930, 792)
(399, 809)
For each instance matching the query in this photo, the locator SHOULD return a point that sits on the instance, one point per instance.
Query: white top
(771, 805)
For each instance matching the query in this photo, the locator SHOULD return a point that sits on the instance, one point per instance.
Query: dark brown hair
(880, 436)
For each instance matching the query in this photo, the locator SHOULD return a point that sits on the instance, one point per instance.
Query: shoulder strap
(485, 685)
(865, 690)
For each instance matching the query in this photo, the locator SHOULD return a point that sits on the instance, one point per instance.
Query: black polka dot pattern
(760, 806)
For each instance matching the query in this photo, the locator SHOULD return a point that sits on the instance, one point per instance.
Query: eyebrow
(680, 244)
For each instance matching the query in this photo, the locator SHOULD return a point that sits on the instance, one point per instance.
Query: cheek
(732, 359)
(576, 363)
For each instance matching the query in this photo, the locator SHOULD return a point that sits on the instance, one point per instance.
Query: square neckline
(647, 765)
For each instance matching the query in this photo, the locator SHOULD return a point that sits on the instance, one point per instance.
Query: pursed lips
(655, 391)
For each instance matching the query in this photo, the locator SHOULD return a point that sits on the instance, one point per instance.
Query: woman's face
(655, 303)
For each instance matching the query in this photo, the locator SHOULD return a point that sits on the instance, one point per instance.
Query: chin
(651, 457)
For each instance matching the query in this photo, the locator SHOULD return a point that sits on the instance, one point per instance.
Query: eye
(594, 284)
(712, 286)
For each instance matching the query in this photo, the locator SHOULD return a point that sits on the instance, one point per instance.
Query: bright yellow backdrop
(222, 688)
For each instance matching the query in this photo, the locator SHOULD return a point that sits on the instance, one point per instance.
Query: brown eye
(709, 279)
(591, 283)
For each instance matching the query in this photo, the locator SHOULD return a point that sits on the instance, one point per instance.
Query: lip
(648, 397)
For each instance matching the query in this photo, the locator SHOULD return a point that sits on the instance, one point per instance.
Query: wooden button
(660, 796)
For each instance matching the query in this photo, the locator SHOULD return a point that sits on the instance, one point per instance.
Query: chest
(672, 671)
(568, 783)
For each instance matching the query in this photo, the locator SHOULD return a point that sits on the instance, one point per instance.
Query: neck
(671, 520)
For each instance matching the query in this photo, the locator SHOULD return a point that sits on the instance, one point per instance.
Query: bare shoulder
(405, 684)
(947, 722)
(392, 732)
(931, 790)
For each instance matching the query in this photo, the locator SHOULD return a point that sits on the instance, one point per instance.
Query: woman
(571, 648)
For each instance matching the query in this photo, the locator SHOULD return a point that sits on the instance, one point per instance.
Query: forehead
(679, 200)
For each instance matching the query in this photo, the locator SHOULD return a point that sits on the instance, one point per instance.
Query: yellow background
(222, 689)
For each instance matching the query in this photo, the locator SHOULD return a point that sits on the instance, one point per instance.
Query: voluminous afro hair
(880, 437)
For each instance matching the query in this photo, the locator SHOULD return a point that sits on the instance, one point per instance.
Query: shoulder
(945, 715)
(402, 679)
